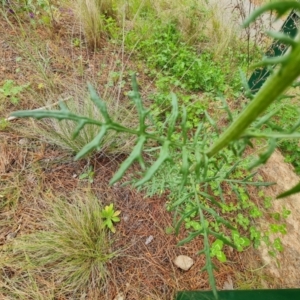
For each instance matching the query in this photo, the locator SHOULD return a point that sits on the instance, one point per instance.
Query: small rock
(228, 284)
(149, 239)
(126, 218)
(23, 141)
(120, 297)
(183, 262)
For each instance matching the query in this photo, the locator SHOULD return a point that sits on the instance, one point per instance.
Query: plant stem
(271, 90)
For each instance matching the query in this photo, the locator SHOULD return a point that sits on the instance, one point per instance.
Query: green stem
(271, 90)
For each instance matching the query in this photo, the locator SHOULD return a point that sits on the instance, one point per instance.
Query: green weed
(110, 216)
(73, 251)
(11, 91)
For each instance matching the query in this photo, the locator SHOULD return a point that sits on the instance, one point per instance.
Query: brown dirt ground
(276, 170)
(142, 271)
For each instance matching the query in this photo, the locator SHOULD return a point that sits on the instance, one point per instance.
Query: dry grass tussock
(69, 254)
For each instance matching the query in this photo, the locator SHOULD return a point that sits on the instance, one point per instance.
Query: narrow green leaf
(173, 116)
(163, 156)
(264, 156)
(134, 155)
(271, 61)
(100, 104)
(273, 135)
(79, 126)
(210, 198)
(136, 97)
(211, 121)
(183, 125)
(282, 37)
(185, 166)
(280, 7)
(292, 191)
(183, 217)
(63, 106)
(94, 144)
(190, 237)
(182, 199)
(222, 238)
(261, 121)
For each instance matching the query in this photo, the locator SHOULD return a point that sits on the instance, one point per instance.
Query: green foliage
(37, 12)
(240, 242)
(74, 249)
(89, 175)
(216, 250)
(3, 123)
(201, 162)
(11, 91)
(178, 63)
(110, 217)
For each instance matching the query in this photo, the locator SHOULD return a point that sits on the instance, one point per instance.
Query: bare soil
(286, 267)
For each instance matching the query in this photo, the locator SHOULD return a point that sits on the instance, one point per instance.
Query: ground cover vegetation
(176, 138)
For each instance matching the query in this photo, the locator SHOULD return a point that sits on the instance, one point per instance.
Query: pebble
(183, 262)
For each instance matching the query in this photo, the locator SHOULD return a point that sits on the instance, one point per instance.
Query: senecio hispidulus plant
(198, 156)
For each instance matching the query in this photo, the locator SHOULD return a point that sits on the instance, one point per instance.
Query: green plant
(198, 158)
(216, 250)
(74, 249)
(11, 91)
(179, 63)
(110, 216)
(89, 175)
(97, 19)
(38, 12)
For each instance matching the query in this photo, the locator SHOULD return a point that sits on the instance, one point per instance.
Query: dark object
(285, 294)
(259, 76)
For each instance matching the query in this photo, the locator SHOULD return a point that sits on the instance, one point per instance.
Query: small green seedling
(110, 216)
(240, 242)
(11, 91)
(216, 250)
(89, 175)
